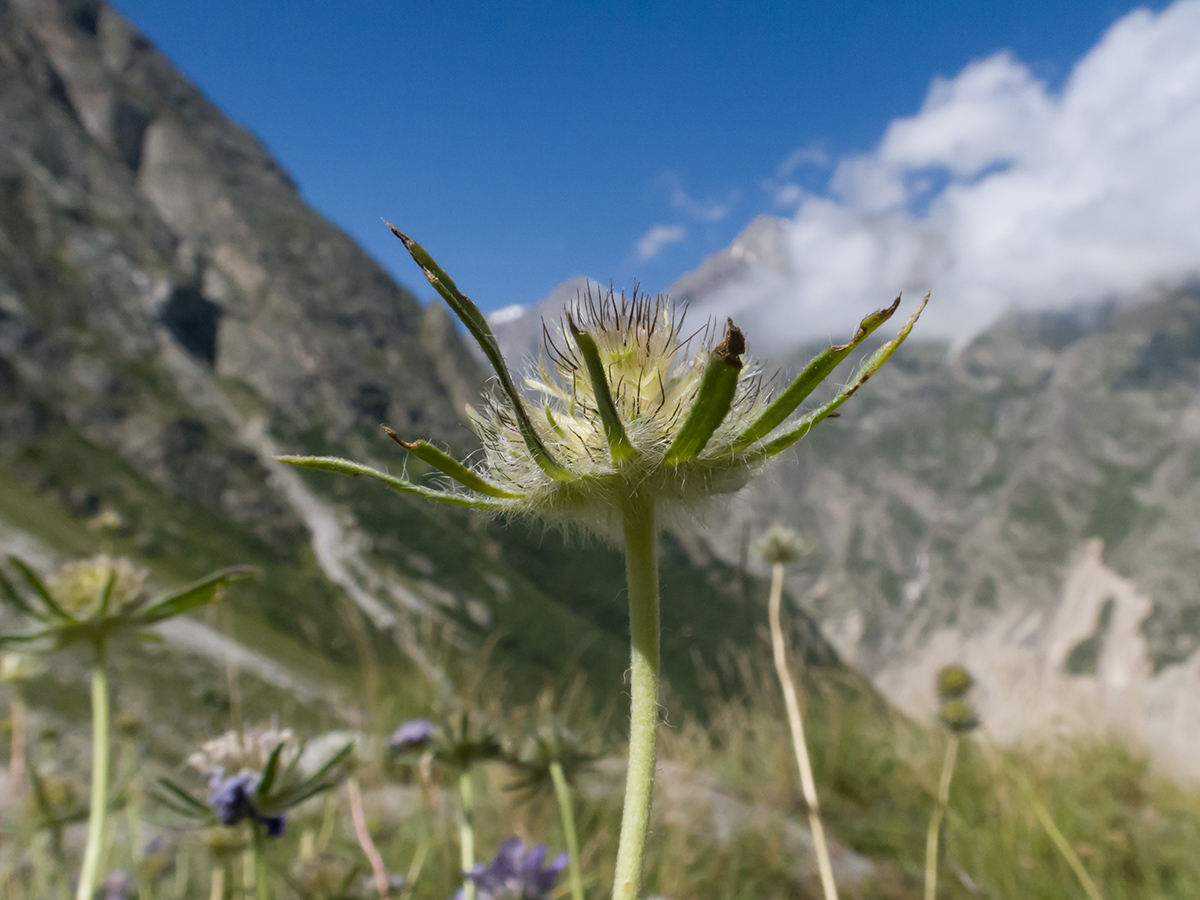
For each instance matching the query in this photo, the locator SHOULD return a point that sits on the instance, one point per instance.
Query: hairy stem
(807, 784)
(641, 574)
(565, 810)
(262, 890)
(98, 813)
(466, 831)
(935, 823)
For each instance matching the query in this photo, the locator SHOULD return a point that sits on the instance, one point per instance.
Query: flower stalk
(262, 890)
(466, 831)
(641, 574)
(98, 812)
(935, 822)
(808, 784)
(565, 811)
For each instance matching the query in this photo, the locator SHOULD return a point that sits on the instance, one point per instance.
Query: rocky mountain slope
(172, 315)
(1028, 505)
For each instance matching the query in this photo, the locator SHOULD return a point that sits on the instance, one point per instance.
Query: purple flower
(117, 886)
(232, 800)
(230, 797)
(517, 873)
(412, 736)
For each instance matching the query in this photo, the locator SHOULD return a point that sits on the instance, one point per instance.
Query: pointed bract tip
(732, 346)
(408, 242)
(395, 437)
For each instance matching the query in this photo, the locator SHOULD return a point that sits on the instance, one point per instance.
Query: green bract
(625, 406)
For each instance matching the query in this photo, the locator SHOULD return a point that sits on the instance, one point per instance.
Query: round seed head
(953, 682)
(958, 716)
(79, 586)
(781, 545)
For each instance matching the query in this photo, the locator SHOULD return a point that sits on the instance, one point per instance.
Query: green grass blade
(869, 368)
(39, 587)
(469, 314)
(713, 400)
(618, 441)
(346, 467)
(448, 465)
(817, 370)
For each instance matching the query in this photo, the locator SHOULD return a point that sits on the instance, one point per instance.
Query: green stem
(563, 792)
(99, 806)
(935, 823)
(641, 574)
(262, 891)
(808, 784)
(466, 831)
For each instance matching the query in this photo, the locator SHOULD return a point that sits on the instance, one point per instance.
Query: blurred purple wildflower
(117, 886)
(517, 873)
(414, 735)
(232, 801)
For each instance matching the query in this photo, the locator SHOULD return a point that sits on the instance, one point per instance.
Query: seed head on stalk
(627, 404)
(628, 416)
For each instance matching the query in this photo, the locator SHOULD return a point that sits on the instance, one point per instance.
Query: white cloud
(809, 155)
(653, 241)
(1000, 192)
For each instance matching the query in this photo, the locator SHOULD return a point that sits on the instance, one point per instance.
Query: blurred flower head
(517, 873)
(959, 716)
(88, 600)
(80, 586)
(781, 545)
(552, 743)
(259, 796)
(953, 682)
(245, 751)
(413, 736)
(117, 886)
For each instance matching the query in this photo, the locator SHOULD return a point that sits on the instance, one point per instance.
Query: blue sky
(523, 143)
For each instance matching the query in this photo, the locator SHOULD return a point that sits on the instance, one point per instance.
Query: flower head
(627, 404)
(517, 873)
(953, 682)
(260, 796)
(87, 600)
(549, 745)
(781, 545)
(959, 716)
(247, 750)
(412, 736)
(80, 586)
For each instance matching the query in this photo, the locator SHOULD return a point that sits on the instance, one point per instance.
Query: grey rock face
(152, 254)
